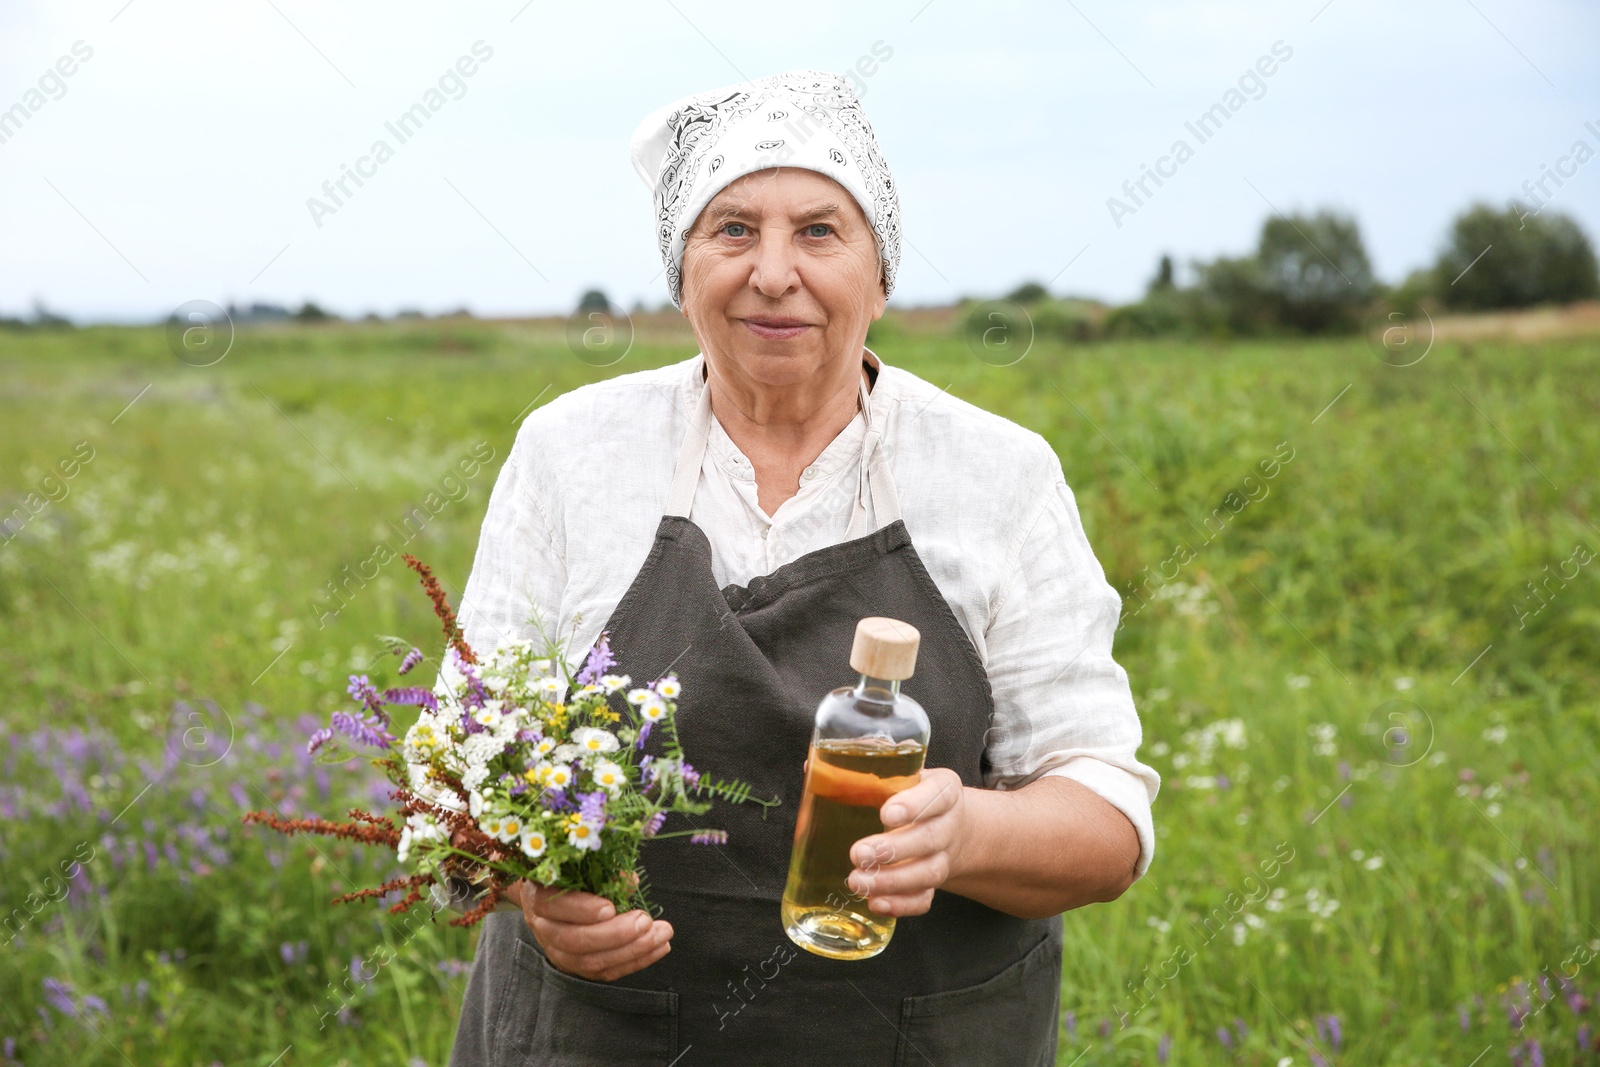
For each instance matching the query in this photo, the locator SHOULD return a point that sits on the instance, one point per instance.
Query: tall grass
(1350, 687)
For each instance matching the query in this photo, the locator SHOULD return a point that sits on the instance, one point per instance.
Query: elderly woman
(731, 517)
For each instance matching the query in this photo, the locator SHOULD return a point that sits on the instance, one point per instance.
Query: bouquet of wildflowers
(518, 766)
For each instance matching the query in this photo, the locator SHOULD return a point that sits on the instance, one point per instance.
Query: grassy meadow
(1368, 679)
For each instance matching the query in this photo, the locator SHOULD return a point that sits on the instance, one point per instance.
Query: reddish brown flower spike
(441, 608)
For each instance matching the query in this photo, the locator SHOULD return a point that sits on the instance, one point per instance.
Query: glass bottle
(868, 743)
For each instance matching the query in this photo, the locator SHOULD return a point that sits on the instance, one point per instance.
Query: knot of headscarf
(691, 149)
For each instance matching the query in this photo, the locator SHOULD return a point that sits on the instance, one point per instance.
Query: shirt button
(809, 473)
(764, 531)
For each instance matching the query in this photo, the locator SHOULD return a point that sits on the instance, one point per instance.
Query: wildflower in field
(1404, 683)
(1324, 733)
(1495, 735)
(1298, 681)
(411, 659)
(1163, 1048)
(1330, 1030)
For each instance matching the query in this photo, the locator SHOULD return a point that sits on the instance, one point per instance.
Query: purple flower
(653, 827)
(1535, 1054)
(367, 729)
(361, 690)
(413, 658)
(528, 734)
(691, 777)
(1466, 1019)
(600, 660)
(644, 732)
(557, 800)
(1163, 1048)
(1584, 1037)
(1070, 1020)
(415, 696)
(9, 1047)
(709, 837)
(1225, 1037)
(1238, 1024)
(592, 807)
(59, 994)
(318, 739)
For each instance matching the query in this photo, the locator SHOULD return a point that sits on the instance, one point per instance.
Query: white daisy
(583, 835)
(545, 746)
(533, 844)
(559, 776)
(669, 687)
(593, 739)
(488, 716)
(614, 682)
(654, 708)
(492, 824)
(510, 829)
(608, 776)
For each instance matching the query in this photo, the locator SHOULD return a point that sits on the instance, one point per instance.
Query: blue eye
(731, 227)
(811, 230)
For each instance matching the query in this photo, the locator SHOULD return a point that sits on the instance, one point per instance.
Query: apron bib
(959, 985)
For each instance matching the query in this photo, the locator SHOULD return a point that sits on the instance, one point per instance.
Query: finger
(614, 963)
(902, 844)
(588, 938)
(935, 794)
(571, 905)
(900, 906)
(638, 964)
(903, 879)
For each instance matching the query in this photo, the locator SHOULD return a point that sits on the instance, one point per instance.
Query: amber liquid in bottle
(847, 782)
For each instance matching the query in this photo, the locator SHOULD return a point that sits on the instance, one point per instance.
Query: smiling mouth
(776, 329)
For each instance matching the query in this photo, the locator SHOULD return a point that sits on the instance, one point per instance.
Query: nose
(776, 267)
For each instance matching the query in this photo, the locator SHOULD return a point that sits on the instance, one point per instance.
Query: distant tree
(1028, 293)
(1314, 272)
(1511, 259)
(310, 312)
(1233, 296)
(1162, 282)
(594, 300)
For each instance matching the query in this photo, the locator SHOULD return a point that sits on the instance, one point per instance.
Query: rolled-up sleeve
(1062, 703)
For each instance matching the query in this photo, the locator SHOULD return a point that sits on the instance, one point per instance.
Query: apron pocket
(589, 1024)
(1010, 1018)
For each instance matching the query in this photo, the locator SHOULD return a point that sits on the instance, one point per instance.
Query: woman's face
(781, 276)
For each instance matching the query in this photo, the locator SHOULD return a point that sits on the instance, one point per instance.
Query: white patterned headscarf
(691, 149)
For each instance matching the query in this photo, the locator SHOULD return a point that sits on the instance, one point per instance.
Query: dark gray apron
(961, 985)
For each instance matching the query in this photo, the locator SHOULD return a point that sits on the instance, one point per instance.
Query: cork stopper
(885, 648)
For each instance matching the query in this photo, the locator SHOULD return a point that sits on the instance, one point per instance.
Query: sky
(175, 162)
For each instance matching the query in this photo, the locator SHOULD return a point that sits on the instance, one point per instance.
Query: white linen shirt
(574, 512)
